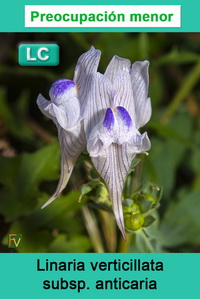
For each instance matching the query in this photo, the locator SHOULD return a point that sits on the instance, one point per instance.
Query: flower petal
(124, 93)
(140, 143)
(71, 143)
(117, 64)
(43, 106)
(113, 166)
(64, 110)
(146, 113)
(61, 90)
(86, 66)
(98, 102)
(116, 127)
(64, 107)
(140, 85)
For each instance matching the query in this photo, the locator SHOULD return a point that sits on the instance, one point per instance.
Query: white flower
(116, 108)
(105, 113)
(66, 109)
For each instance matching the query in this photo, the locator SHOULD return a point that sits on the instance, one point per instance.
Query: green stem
(187, 85)
(151, 249)
(93, 230)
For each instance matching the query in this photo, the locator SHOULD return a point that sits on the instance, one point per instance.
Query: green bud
(133, 222)
(153, 192)
(102, 192)
(150, 198)
(133, 209)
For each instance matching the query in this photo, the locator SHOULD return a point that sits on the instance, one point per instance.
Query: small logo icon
(14, 240)
(38, 54)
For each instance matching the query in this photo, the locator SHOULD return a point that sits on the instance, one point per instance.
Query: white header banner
(102, 16)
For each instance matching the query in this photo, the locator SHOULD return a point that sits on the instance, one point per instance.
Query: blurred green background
(29, 150)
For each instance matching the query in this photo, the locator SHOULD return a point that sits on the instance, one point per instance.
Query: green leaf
(15, 116)
(127, 202)
(63, 243)
(167, 153)
(148, 220)
(21, 177)
(140, 242)
(134, 163)
(87, 188)
(178, 57)
(59, 213)
(181, 222)
(94, 175)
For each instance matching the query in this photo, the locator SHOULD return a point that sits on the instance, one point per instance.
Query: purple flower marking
(124, 115)
(59, 86)
(108, 119)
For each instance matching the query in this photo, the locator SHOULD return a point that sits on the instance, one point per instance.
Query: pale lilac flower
(105, 113)
(66, 108)
(117, 106)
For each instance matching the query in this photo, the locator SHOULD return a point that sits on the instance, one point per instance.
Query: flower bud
(133, 222)
(132, 209)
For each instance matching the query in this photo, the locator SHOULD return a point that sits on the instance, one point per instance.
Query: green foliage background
(29, 150)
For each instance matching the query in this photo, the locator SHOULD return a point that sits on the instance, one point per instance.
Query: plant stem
(187, 85)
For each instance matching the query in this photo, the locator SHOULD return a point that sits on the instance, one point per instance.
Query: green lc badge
(38, 54)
